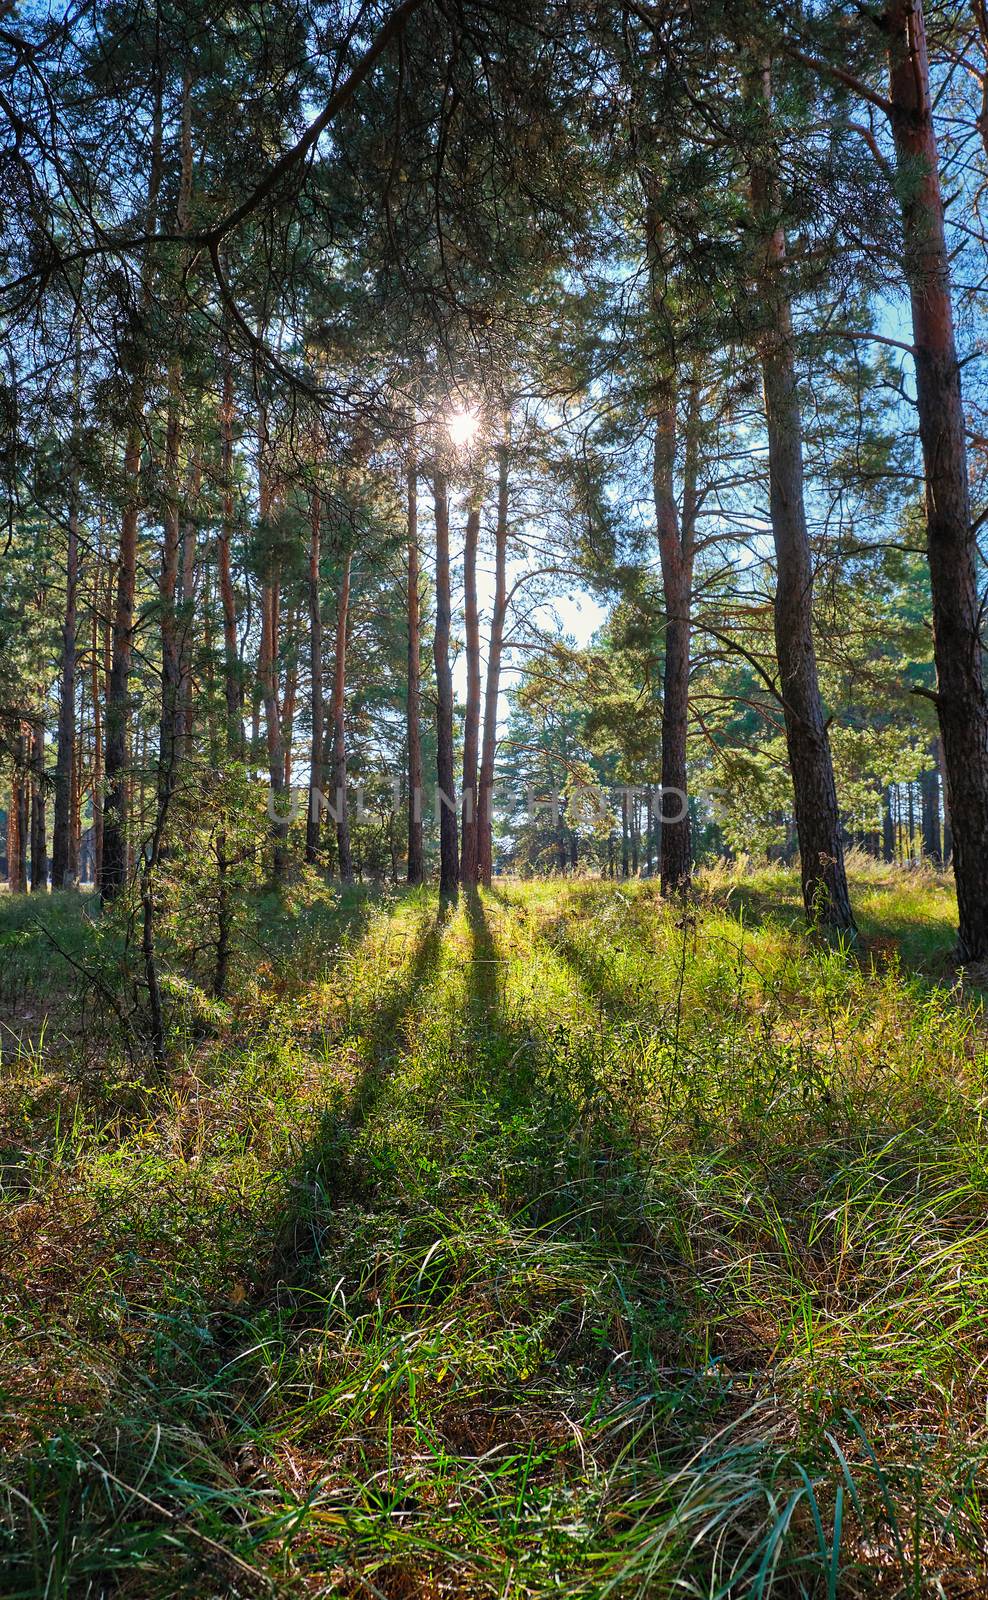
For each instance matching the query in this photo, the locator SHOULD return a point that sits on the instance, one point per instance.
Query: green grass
(555, 1243)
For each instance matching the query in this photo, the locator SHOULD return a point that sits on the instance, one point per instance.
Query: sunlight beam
(462, 427)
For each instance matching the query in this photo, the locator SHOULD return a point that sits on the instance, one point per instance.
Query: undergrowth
(554, 1242)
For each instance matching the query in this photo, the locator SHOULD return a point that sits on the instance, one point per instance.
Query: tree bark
(471, 721)
(267, 664)
(416, 860)
(63, 870)
(115, 819)
(821, 850)
(268, 668)
(962, 704)
(39, 853)
(97, 744)
(189, 543)
(929, 788)
(17, 819)
(114, 873)
(448, 852)
(676, 553)
(232, 684)
(888, 826)
(75, 797)
(948, 832)
(317, 710)
(171, 665)
(485, 797)
(291, 691)
(339, 727)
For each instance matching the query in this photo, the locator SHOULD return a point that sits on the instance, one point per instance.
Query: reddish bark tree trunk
(39, 851)
(171, 666)
(233, 688)
(448, 852)
(317, 710)
(17, 820)
(416, 861)
(961, 701)
(189, 540)
(97, 747)
(485, 797)
(63, 869)
(471, 721)
(268, 670)
(339, 727)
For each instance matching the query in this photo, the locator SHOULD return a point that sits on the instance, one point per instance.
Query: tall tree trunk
(471, 721)
(185, 531)
(317, 710)
(449, 870)
(635, 836)
(821, 849)
(929, 788)
(291, 691)
(189, 544)
(961, 701)
(75, 795)
(63, 870)
(339, 727)
(171, 664)
(416, 858)
(625, 858)
(39, 853)
(948, 832)
(888, 825)
(232, 684)
(97, 743)
(255, 721)
(485, 797)
(268, 668)
(267, 664)
(17, 819)
(676, 553)
(115, 819)
(209, 672)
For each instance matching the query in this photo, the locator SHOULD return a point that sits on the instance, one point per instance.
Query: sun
(462, 427)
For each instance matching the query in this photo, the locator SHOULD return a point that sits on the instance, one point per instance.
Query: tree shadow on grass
(565, 1144)
(324, 1176)
(594, 967)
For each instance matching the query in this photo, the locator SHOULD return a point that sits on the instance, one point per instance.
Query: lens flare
(462, 427)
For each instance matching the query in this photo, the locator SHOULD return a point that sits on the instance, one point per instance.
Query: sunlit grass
(555, 1242)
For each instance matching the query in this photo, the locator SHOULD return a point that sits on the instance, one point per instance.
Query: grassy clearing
(554, 1243)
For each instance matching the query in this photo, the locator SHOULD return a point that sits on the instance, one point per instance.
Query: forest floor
(554, 1243)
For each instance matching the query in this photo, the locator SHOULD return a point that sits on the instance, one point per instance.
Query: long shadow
(323, 1177)
(386, 1034)
(577, 1172)
(483, 984)
(593, 969)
